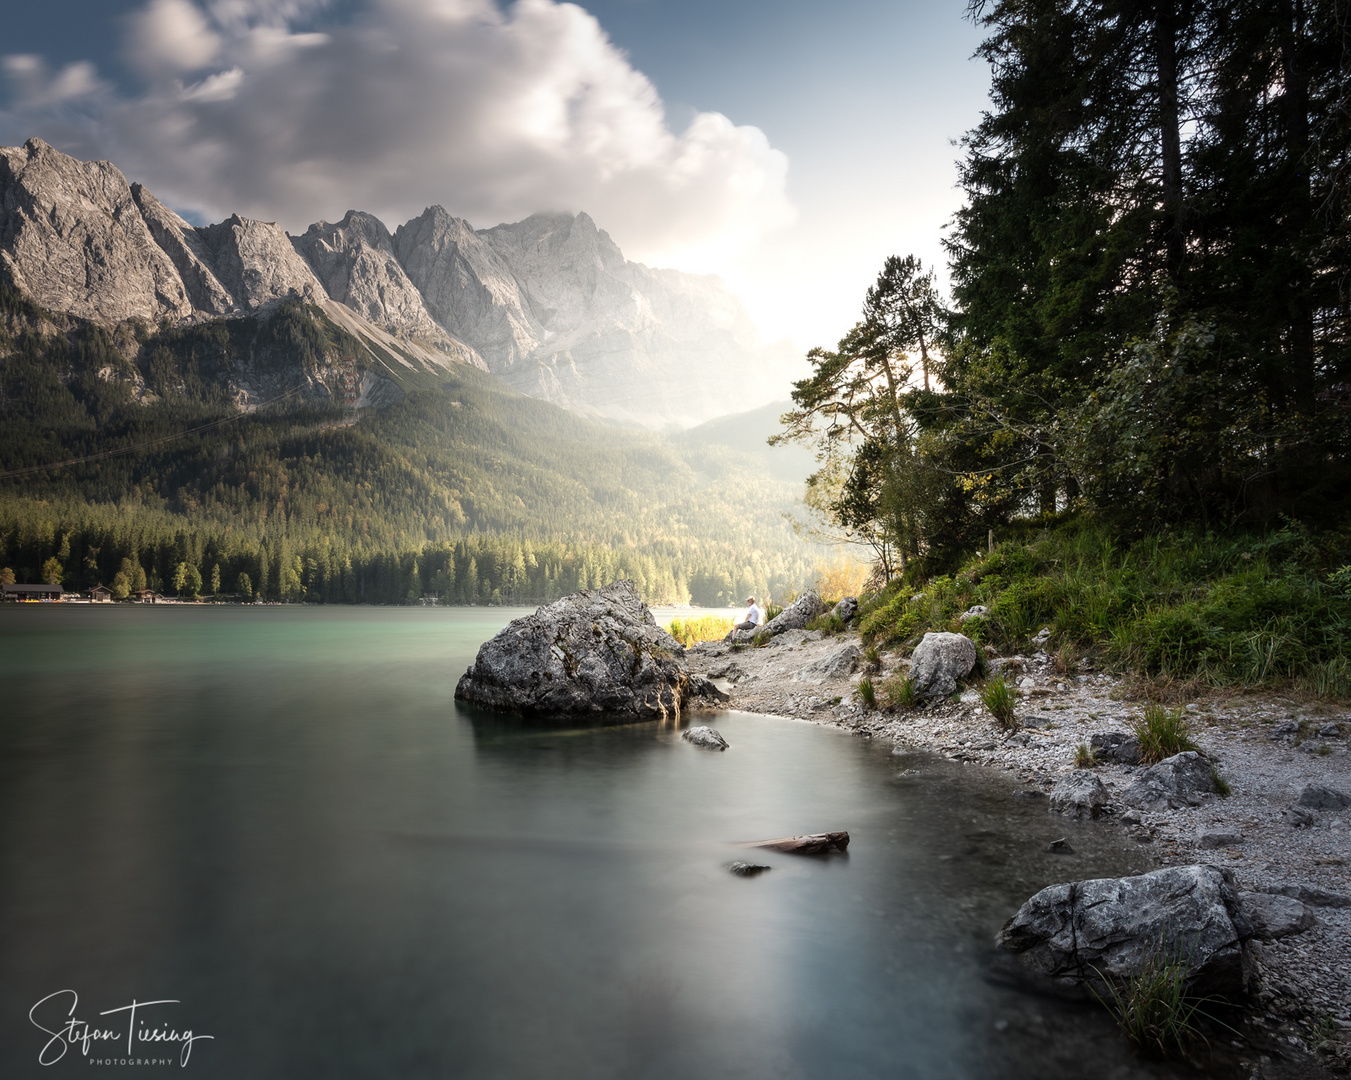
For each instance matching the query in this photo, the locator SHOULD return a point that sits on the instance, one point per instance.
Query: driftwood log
(814, 844)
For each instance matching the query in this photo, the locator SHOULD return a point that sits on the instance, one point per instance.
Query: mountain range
(549, 304)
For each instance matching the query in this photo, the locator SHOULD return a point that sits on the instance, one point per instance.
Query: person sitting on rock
(755, 615)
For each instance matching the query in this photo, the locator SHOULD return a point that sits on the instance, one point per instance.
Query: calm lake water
(280, 818)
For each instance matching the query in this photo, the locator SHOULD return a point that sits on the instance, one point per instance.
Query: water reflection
(283, 819)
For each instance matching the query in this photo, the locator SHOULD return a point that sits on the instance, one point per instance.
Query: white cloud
(493, 113)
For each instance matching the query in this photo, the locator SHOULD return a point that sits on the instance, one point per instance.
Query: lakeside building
(100, 594)
(32, 592)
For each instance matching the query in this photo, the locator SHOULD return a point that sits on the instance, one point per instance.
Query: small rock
(974, 612)
(1080, 794)
(1285, 730)
(846, 609)
(1060, 847)
(1275, 916)
(1173, 783)
(705, 737)
(1026, 682)
(834, 665)
(1029, 793)
(1307, 894)
(747, 869)
(1042, 636)
(1329, 731)
(1299, 818)
(1116, 747)
(1131, 817)
(1319, 797)
(1001, 1025)
(1218, 839)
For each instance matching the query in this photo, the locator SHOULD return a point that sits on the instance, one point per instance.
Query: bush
(898, 692)
(1084, 757)
(999, 698)
(866, 692)
(1162, 733)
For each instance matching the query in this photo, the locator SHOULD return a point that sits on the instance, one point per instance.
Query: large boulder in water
(1075, 936)
(597, 654)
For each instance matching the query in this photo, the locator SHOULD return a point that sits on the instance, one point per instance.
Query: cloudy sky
(788, 145)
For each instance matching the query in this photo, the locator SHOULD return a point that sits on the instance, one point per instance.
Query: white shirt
(754, 614)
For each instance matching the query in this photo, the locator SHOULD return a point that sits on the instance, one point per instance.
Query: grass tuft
(1154, 1008)
(1084, 758)
(1000, 698)
(899, 692)
(867, 693)
(1222, 787)
(1162, 733)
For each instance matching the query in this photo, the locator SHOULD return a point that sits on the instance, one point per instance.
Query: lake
(277, 823)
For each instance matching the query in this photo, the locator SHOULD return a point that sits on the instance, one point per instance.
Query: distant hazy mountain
(550, 304)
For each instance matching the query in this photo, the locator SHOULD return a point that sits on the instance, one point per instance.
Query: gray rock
(1116, 747)
(1285, 730)
(846, 609)
(1218, 839)
(1275, 917)
(1308, 894)
(1080, 794)
(1071, 935)
(837, 664)
(1174, 782)
(597, 654)
(974, 612)
(1299, 818)
(1330, 731)
(1321, 797)
(1060, 847)
(747, 869)
(795, 616)
(706, 737)
(940, 662)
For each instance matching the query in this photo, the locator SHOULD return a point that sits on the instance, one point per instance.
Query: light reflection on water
(280, 817)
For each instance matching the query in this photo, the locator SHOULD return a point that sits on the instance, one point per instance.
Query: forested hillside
(460, 488)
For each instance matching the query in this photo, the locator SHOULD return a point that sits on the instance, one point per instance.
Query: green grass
(1000, 698)
(899, 692)
(1154, 1008)
(1162, 733)
(867, 693)
(1084, 757)
(1269, 609)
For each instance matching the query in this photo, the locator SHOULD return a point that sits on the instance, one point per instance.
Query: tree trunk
(1170, 140)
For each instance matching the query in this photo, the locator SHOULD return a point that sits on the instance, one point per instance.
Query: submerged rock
(705, 737)
(940, 662)
(596, 654)
(747, 869)
(1080, 794)
(1075, 935)
(1173, 783)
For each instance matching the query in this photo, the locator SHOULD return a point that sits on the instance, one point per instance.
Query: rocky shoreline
(1292, 860)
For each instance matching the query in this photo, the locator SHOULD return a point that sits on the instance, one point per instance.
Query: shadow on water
(283, 820)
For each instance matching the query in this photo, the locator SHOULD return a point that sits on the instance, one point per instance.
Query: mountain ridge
(548, 304)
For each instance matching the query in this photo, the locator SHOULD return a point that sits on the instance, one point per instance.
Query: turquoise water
(280, 818)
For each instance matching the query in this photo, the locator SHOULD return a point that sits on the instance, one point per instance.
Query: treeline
(128, 551)
(1151, 317)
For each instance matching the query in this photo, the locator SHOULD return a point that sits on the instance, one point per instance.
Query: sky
(786, 145)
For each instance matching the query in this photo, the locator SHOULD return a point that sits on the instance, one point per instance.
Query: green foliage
(1162, 733)
(866, 692)
(1154, 1007)
(1222, 786)
(1000, 699)
(898, 692)
(1084, 758)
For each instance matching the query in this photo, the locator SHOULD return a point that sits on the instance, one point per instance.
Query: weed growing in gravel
(1222, 788)
(899, 692)
(866, 692)
(1084, 757)
(761, 639)
(999, 698)
(1153, 1007)
(872, 657)
(1162, 733)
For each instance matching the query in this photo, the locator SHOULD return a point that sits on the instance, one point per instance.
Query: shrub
(707, 628)
(1084, 757)
(761, 639)
(866, 692)
(999, 698)
(1162, 733)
